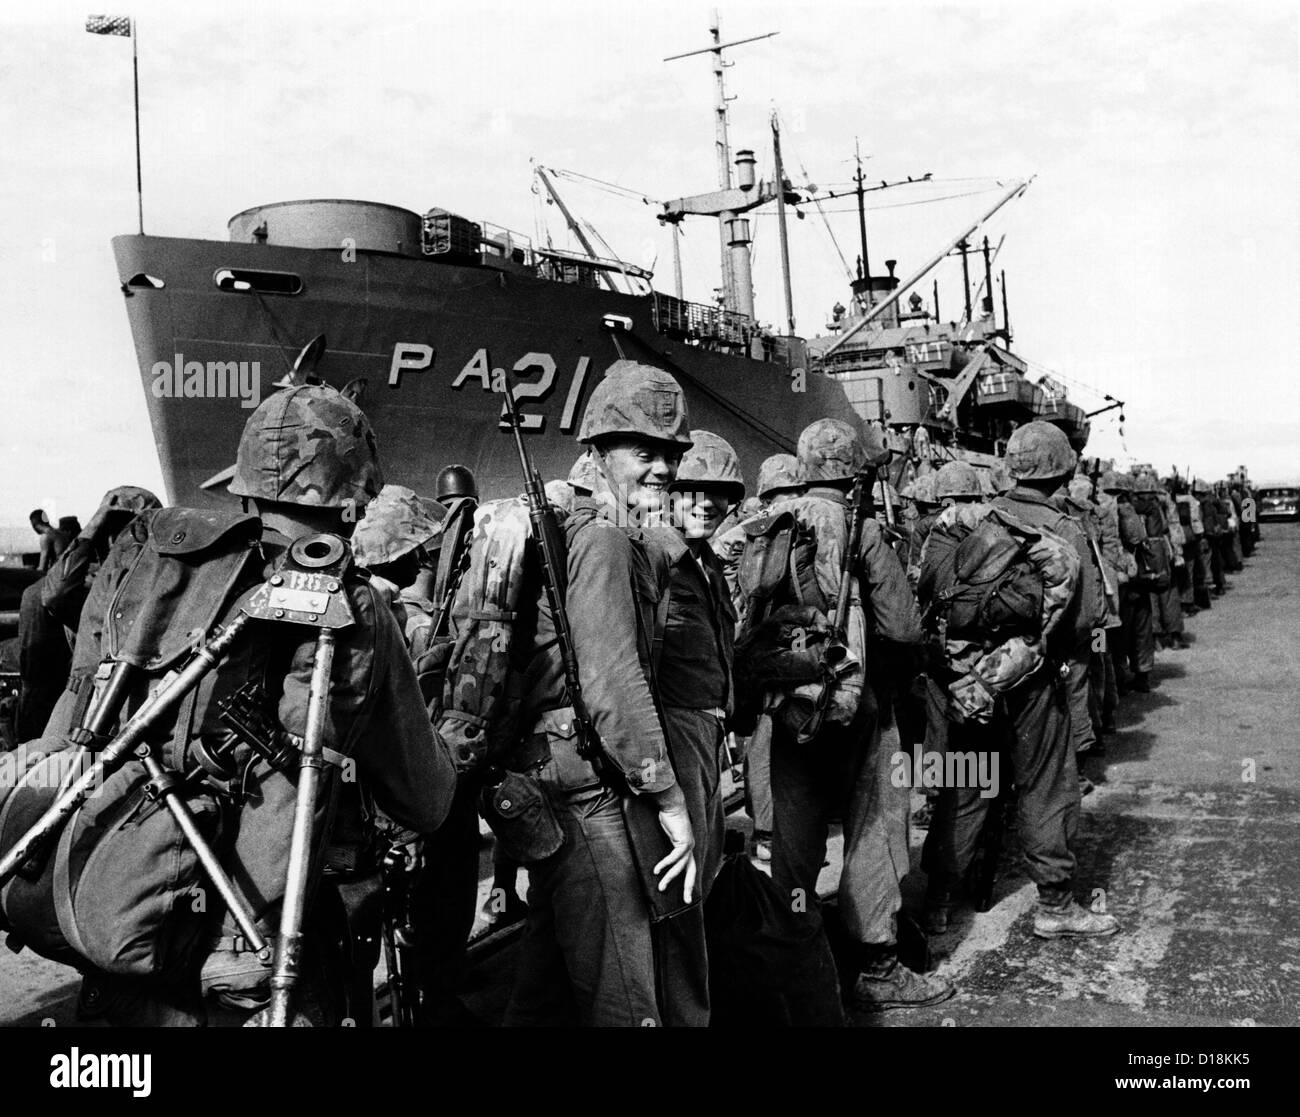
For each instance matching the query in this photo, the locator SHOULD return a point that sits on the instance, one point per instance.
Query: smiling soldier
(587, 949)
(694, 677)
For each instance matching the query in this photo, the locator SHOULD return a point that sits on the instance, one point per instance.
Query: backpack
(118, 886)
(1154, 568)
(786, 654)
(978, 584)
(477, 713)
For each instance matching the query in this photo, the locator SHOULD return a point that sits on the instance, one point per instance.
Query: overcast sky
(1156, 256)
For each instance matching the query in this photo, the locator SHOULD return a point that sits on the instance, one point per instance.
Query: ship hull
(427, 338)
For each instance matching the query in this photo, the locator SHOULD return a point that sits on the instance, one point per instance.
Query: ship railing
(507, 245)
(707, 326)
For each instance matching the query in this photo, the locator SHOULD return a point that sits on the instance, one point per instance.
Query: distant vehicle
(1279, 504)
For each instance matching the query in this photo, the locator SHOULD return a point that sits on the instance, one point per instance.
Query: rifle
(646, 837)
(453, 562)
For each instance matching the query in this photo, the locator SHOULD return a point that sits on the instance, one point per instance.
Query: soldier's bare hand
(680, 861)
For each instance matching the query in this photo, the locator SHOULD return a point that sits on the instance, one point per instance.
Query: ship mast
(733, 230)
(859, 178)
(780, 221)
(907, 284)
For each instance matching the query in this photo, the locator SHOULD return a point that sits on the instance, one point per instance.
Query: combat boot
(893, 985)
(1072, 921)
(937, 913)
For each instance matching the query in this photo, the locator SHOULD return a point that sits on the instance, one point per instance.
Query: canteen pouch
(521, 817)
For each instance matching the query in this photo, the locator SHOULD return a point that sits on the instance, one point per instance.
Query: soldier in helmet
(587, 954)
(1216, 531)
(919, 520)
(50, 611)
(844, 770)
(1011, 694)
(779, 481)
(393, 541)
(307, 462)
(455, 481)
(1134, 653)
(1165, 530)
(696, 696)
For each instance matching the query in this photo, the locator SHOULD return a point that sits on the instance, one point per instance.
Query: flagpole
(135, 71)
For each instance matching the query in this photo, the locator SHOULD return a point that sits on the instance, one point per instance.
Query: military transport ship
(422, 315)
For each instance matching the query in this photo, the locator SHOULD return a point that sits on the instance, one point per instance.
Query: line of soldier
(651, 602)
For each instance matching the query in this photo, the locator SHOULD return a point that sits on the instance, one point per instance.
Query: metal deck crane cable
(809, 186)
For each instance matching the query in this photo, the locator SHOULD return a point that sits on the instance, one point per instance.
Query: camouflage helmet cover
(831, 450)
(922, 489)
(780, 471)
(585, 476)
(1039, 451)
(130, 498)
(1000, 476)
(638, 400)
(308, 445)
(957, 479)
(1080, 488)
(1112, 481)
(711, 462)
(1145, 481)
(396, 521)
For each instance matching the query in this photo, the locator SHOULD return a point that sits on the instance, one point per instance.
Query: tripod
(306, 588)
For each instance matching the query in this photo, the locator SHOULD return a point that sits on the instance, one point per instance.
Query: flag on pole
(109, 25)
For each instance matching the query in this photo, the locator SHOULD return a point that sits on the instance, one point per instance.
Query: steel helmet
(957, 479)
(130, 498)
(396, 521)
(713, 463)
(585, 475)
(831, 450)
(1199, 487)
(455, 481)
(637, 400)
(1144, 481)
(1039, 451)
(1000, 476)
(1113, 481)
(777, 473)
(921, 489)
(1080, 489)
(308, 445)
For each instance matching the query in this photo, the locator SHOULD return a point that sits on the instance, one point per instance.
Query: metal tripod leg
(165, 785)
(288, 947)
(161, 703)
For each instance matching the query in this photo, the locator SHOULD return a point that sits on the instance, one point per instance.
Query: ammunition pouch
(521, 816)
(513, 801)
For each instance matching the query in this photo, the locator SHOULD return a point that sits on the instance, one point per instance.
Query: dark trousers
(586, 956)
(1201, 573)
(758, 775)
(1082, 733)
(443, 898)
(1030, 727)
(1231, 544)
(44, 663)
(843, 773)
(1167, 612)
(696, 745)
(1216, 562)
(1137, 642)
(1186, 574)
